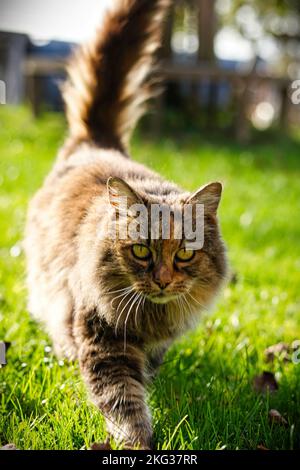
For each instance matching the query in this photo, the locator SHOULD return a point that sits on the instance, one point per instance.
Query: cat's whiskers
(181, 305)
(123, 294)
(178, 306)
(189, 309)
(185, 301)
(135, 299)
(137, 308)
(197, 301)
(182, 309)
(128, 301)
(144, 301)
(118, 290)
(122, 300)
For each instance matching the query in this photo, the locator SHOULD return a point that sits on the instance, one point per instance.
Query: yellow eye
(141, 251)
(184, 255)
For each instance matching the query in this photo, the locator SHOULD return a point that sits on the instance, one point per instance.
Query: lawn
(203, 397)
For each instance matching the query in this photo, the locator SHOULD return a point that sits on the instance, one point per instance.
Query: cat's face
(162, 270)
(166, 269)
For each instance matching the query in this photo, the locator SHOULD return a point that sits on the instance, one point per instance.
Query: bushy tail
(110, 78)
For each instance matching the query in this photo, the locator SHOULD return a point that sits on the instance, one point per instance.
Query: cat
(116, 304)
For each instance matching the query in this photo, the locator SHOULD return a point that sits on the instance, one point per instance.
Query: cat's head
(164, 266)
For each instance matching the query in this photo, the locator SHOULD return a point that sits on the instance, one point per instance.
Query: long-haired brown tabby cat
(115, 304)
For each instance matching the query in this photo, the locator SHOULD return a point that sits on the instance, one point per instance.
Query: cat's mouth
(162, 297)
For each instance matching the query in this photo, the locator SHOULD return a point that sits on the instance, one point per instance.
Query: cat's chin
(162, 299)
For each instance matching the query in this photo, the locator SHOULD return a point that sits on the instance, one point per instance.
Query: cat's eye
(185, 255)
(141, 251)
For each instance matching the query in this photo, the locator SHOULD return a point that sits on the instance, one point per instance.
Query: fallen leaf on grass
(101, 446)
(280, 350)
(262, 447)
(265, 382)
(9, 447)
(276, 417)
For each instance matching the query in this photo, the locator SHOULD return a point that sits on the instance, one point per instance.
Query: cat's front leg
(115, 378)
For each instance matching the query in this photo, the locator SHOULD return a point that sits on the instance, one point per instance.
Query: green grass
(203, 397)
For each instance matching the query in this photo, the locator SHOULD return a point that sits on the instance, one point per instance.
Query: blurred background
(227, 64)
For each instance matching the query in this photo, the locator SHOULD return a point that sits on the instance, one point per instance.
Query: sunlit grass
(203, 397)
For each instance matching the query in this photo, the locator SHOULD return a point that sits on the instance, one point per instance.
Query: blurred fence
(248, 92)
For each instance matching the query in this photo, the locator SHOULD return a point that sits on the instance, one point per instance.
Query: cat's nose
(162, 276)
(161, 283)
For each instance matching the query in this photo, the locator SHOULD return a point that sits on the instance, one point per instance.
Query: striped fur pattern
(101, 305)
(110, 78)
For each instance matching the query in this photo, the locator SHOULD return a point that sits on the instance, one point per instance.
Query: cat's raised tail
(110, 79)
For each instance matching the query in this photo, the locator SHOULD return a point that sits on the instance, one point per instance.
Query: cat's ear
(209, 195)
(120, 193)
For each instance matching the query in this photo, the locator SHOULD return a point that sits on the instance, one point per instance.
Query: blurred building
(13, 49)
(33, 70)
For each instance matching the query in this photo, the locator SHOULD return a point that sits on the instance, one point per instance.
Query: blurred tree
(276, 21)
(278, 6)
(204, 41)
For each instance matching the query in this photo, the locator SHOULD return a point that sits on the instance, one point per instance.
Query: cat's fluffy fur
(75, 277)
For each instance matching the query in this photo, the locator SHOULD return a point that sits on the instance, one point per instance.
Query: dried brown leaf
(280, 351)
(262, 447)
(276, 417)
(101, 446)
(10, 446)
(265, 382)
